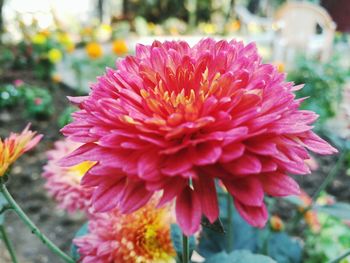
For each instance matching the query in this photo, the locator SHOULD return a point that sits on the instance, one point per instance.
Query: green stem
(185, 249)
(338, 259)
(229, 223)
(8, 244)
(330, 176)
(33, 227)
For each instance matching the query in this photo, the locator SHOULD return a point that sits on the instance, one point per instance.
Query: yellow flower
(280, 66)
(45, 33)
(208, 28)
(14, 146)
(39, 39)
(234, 26)
(119, 47)
(54, 55)
(94, 50)
(276, 223)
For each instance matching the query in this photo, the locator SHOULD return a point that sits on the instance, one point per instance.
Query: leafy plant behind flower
(9, 96)
(323, 83)
(38, 102)
(65, 116)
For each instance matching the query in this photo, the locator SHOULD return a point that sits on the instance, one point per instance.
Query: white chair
(303, 27)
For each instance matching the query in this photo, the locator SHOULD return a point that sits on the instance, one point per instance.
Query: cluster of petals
(12, 147)
(63, 183)
(140, 237)
(174, 119)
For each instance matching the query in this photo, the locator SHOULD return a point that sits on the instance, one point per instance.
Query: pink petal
(247, 164)
(147, 166)
(205, 189)
(188, 211)
(278, 184)
(255, 215)
(86, 152)
(314, 143)
(173, 188)
(205, 153)
(176, 164)
(247, 190)
(107, 195)
(135, 196)
(232, 152)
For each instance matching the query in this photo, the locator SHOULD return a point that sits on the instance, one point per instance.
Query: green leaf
(244, 236)
(239, 256)
(216, 226)
(283, 248)
(176, 237)
(83, 230)
(338, 209)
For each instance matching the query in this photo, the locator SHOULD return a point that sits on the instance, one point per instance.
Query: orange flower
(14, 146)
(311, 220)
(276, 223)
(94, 50)
(119, 47)
(56, 78)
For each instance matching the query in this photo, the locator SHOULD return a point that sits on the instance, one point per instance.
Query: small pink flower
(18, 82)
(143, 236)
(174, 119)
(63, 183)
(38, 101)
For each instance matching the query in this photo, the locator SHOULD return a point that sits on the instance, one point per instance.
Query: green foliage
(277, 245)
(176, 237)
(6, 57)
(339, 210)
(332, 241)
(65, 116)
(239, 256)
(83, 230)
(87, 69)
(323, 84)
(9, 96)
(37, 101)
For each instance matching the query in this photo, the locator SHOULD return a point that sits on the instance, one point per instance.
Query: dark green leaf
(283, 248)
(216, 226)
(83, 230)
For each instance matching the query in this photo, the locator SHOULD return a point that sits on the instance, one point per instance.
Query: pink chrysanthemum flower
(15, 145)
(174, 118)
(63, 183)
(143, 236)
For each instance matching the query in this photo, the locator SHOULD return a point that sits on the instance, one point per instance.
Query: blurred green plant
(323, 84)
(9, 96)
(332, 241)
(66, 116)
(85, 69)
(37, 101)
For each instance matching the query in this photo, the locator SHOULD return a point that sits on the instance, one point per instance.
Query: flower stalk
(230, 223)
(34, 229)
(185, 249)
(8, 244)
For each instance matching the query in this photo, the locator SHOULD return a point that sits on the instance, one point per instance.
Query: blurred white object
(249, 21)
(297, 25)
